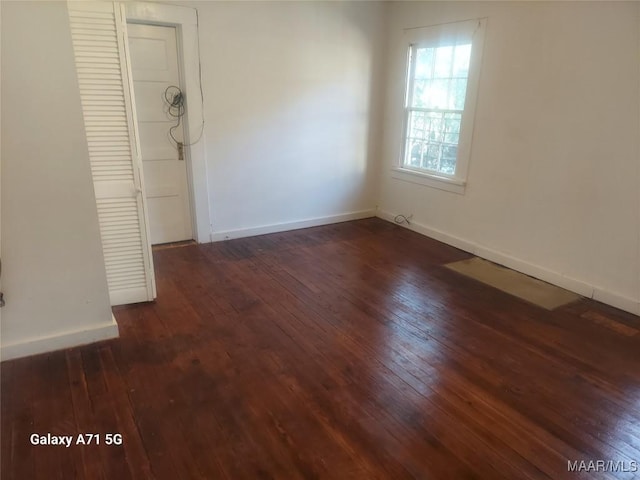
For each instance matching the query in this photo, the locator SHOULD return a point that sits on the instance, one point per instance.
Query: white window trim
(422, 177)
(474, 30)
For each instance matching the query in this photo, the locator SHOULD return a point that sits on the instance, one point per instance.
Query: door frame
(185, 21)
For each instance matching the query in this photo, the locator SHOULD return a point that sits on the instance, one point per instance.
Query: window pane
(430, 94)
(451, 138)
(457, 94)
(417, 124)
(432, 141)
(440, 77)
(417, 153)
(416, 129)
(448, 160)
(444, 60)
(461, 60)
(436, 127)
(432, 157)
(452, 121)
(420, 89)
(424, 63)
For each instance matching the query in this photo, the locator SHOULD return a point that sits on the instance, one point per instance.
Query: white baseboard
(578, 286)
(50, 343)
(283, 227)
(615, 300)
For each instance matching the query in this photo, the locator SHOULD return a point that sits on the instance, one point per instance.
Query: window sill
(429, 180)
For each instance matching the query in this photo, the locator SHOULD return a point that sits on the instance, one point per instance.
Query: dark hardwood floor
(338, 352)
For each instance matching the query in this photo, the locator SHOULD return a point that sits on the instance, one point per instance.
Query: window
(441, 83)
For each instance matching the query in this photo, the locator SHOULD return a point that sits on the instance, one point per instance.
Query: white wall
(289, 89)
(553, 185)
(53, 273)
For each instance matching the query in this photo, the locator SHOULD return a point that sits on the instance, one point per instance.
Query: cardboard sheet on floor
(514, 283)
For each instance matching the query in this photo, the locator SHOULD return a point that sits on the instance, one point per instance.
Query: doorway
(184, 21)
(159, 100)
(103, 67)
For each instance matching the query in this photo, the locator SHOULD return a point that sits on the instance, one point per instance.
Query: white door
(98, 31)
(154, 66)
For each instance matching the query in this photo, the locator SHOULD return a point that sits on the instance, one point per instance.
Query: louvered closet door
(98, 31)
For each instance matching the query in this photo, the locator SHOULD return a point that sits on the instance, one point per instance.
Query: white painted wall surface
(53, 274)
(290, 88)
(554, 178)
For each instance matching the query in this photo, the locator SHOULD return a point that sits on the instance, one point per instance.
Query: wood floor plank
(83, 413)
(339, 352)
(18, 395)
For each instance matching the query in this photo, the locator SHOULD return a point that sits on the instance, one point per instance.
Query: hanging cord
(174, 99)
